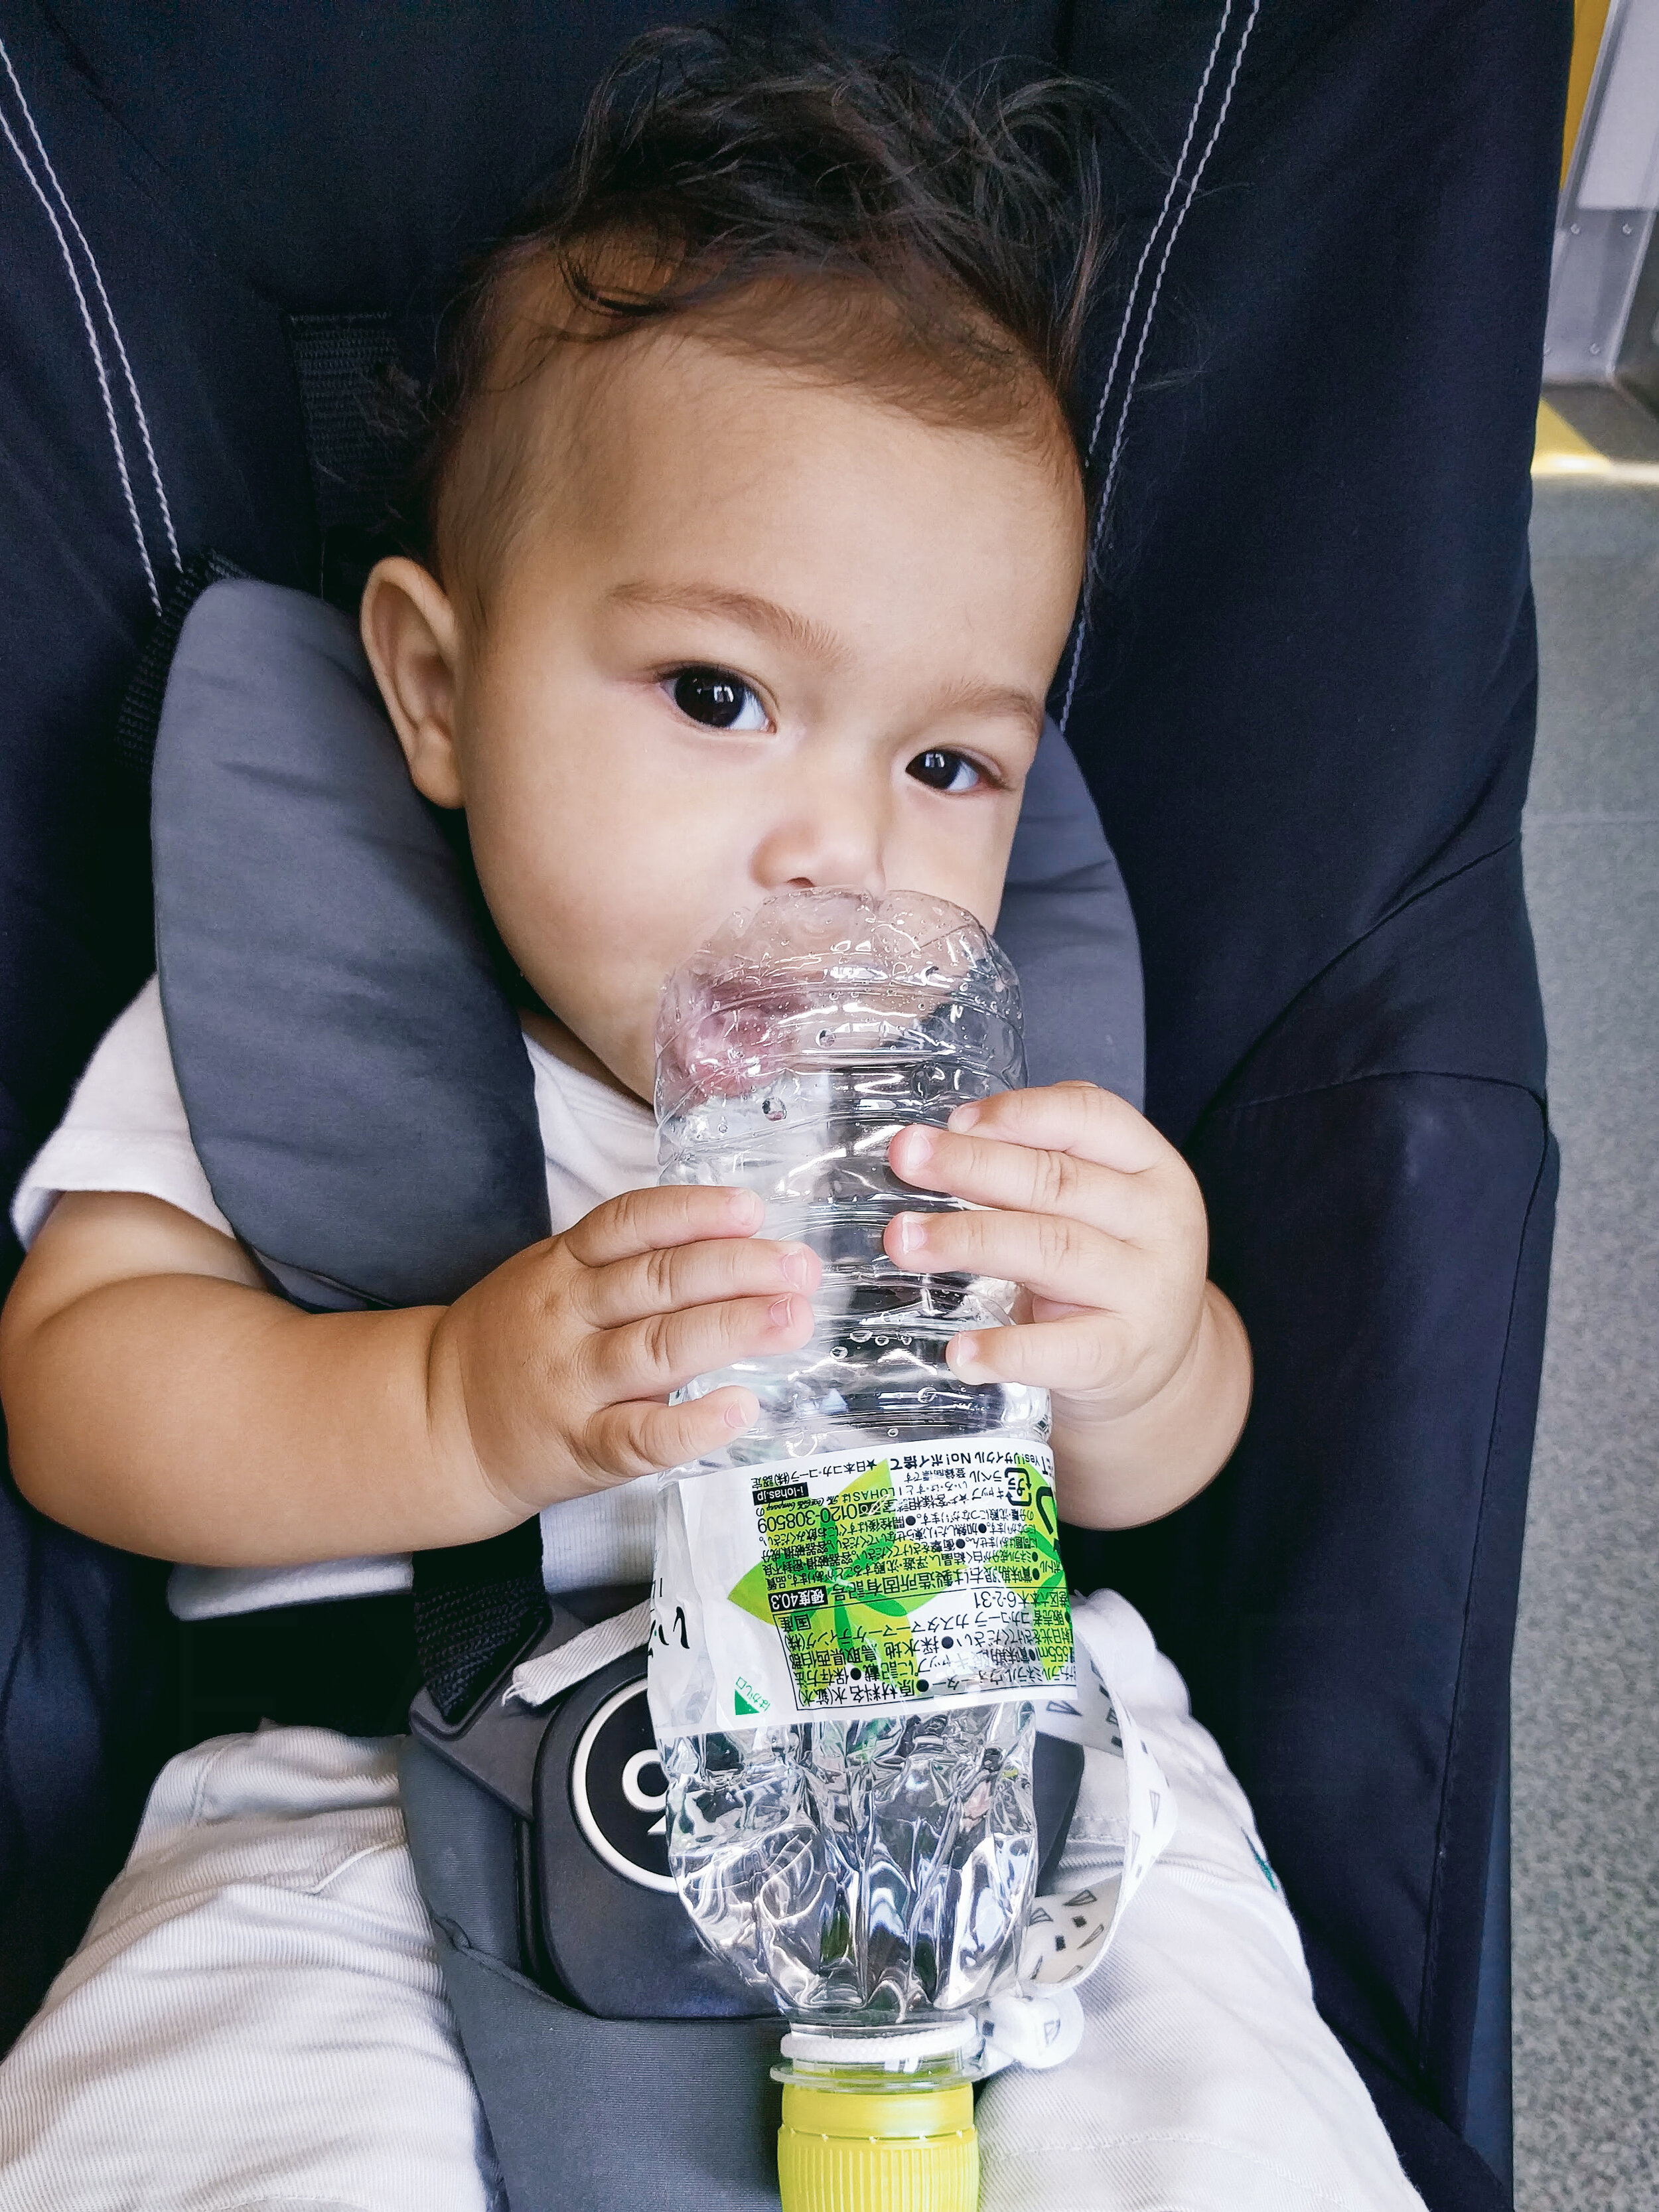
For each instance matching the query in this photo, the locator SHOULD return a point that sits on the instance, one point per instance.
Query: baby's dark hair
(859, 217)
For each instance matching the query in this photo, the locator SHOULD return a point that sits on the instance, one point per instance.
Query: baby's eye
(717, 699)
(946, 771)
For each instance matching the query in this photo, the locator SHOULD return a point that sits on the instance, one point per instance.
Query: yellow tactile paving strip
(1560, 452)
(1589, 21)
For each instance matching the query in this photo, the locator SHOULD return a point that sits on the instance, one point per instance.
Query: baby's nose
(827, 837)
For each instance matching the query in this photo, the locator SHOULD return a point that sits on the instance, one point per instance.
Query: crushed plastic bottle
(858, 1599)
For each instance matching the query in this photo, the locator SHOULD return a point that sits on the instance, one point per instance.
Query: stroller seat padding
(336, 1020)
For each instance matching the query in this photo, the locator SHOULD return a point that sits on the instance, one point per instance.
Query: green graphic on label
(932, 1572)
(1030, 1564)
(839, 1582)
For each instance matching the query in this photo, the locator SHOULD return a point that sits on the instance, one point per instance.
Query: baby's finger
(1070, 1117)
(674, 1214)
(675, 1275)
(1050, 1254)
(1094, 1352)
(643, 1438)
(649, 1358)
(1019, 1179)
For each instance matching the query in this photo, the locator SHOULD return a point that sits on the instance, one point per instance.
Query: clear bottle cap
(900, 2048)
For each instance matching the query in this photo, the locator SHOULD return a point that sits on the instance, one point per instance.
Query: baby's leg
(255, 2017)
(1206, 2081)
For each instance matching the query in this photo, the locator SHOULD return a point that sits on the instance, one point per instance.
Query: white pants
(256, 2020)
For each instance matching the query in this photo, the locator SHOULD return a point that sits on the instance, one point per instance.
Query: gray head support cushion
(354, 1074)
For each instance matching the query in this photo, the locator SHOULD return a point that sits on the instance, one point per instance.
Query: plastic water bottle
(858, 1601)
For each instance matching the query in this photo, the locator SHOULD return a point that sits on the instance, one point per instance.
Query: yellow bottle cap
(910, 2149)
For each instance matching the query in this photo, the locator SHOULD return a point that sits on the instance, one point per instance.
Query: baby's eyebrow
(972, 695)
(781, 623)
(967, 695)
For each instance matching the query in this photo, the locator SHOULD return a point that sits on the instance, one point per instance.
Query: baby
(751, 531)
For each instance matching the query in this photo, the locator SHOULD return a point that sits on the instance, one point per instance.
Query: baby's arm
(1080, 1199)
(158, 1397)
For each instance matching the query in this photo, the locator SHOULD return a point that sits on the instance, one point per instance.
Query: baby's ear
(413, 642)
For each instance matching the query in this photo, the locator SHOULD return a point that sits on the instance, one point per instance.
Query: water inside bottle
(870, 1867)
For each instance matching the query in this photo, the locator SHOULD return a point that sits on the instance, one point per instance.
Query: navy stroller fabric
(1303, 704)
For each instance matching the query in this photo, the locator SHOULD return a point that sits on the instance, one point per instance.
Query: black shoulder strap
(140, 715)
(341, 363)
(476, 1606)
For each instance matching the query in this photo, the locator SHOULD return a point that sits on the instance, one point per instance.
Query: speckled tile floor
(1586, 1866)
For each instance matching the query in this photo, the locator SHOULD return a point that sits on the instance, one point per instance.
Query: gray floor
(1587, 1665)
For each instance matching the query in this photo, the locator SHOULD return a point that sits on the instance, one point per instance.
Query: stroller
(1302, 698)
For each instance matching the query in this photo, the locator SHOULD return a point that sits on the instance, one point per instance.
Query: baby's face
(763, 633)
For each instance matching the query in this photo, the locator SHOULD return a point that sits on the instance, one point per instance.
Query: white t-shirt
(125, 1130)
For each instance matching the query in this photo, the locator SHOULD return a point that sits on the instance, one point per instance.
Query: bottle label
(872, 1580)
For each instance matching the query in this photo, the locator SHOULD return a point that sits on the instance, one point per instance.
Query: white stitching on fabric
(109, 312)
(1152, 235)
(1169, 247)
(1134, 378)
(23, 163)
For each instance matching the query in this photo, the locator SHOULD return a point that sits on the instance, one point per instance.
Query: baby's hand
(1101, 1222)
(550, 1377)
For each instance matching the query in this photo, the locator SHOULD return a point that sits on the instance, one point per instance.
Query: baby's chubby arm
(1101, 1221)
(158, 1397)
